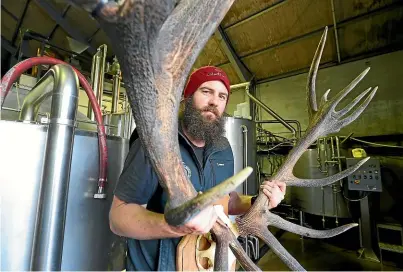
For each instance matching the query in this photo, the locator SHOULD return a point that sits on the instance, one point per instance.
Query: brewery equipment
(317, 162)
(119, 123)
(88, 243)
(50, 218)
(98, 77)
(241, 134)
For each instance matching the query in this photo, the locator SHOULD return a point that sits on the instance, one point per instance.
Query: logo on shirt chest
(188, 172)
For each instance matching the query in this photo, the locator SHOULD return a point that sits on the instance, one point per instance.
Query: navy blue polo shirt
(139, 184)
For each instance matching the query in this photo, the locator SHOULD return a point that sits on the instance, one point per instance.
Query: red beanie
(204, 74)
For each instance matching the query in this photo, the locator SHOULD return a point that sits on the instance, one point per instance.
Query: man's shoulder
(223, 148)
(136, 157)
(136, 146)
(226, 144)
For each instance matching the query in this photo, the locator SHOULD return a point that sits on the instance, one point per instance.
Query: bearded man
(139, 201)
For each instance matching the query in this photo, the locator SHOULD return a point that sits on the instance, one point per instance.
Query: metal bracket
(251, 246)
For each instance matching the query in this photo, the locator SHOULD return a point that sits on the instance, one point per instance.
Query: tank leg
(366, 227)
(301, 220)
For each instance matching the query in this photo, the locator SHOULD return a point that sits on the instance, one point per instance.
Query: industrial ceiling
(260, 39)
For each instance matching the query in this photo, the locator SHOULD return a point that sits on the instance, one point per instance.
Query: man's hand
(200, 224)
(275, 191)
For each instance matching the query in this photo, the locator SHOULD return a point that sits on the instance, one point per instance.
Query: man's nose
(213, 101)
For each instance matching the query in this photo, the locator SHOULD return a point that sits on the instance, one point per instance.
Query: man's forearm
(134, 221)
(239, 205)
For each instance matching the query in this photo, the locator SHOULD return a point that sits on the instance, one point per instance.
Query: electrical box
(367, 177)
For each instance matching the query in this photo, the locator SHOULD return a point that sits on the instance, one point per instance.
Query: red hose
(23, 66)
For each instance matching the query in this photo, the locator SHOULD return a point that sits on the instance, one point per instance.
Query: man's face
(211, 99)
(203, 112)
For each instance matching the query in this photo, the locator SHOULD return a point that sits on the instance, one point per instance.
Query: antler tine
(311, 84)
(324, 97)
(178, 215)
(222, 236)
(335, 126)
(246, 263)
(221, 254)
(354, 102)
(278, 222)
(256, 222)
(336, 100)
(297, 182)
(359, 110)
(279, 250)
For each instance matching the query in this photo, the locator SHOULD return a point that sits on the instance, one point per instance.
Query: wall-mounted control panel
(365, 178)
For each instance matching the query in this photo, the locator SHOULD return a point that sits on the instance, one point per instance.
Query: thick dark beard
(199, 128)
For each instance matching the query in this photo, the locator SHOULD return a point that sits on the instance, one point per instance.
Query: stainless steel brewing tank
(327, 201)
(119, 124)
(13, 103)
(88, 242)
(241, 134)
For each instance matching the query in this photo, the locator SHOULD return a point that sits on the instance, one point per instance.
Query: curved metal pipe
(52, 205)
(41, 91)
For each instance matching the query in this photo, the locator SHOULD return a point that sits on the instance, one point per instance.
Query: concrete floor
(316, 255)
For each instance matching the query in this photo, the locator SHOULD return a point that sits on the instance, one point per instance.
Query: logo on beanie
(202, 75)
(215, 74)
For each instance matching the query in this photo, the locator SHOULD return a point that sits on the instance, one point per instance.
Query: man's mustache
(212, 110)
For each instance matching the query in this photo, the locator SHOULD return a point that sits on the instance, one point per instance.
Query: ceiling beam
(19, 23)
(93, 35)
(255, 14)
(14, 51)
(8, 46)
(50, 36)
(8, 12)
(72, 31)
(242, 71)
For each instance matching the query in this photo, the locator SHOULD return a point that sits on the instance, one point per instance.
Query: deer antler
(158, 44)
(323, 120)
